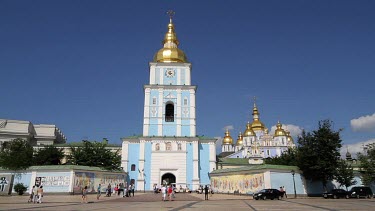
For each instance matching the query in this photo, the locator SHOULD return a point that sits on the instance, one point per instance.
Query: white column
(146, 113)
(124, 155)
(187, 76)
(195, 165)
(152, 74)
(71, 182)
(212, 155)
(160, 112)
(179, 113)
(192, 113)
(141, 165)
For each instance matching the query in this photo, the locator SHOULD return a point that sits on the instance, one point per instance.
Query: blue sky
(82, 64)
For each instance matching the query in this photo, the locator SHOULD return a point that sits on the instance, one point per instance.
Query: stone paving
(150, 201)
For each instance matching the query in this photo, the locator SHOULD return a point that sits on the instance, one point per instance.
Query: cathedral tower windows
(169, 112)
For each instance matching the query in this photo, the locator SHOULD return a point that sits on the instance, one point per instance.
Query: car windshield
(263, 191)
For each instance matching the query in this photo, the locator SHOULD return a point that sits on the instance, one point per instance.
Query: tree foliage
(49, 155)
(288, 158)
(345, 174)
(318, 152)
(367, 164)
(94, 154)
(16, 155)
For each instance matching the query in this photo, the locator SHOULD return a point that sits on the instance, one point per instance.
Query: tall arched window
(169, 112)
(133, 167)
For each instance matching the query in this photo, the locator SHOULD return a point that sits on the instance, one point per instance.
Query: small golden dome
(170, 52)
(227, 139)
(239, 140)
(289, 137)
(279, 130)
(249, 131)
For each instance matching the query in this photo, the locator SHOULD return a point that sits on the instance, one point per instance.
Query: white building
(36, 134)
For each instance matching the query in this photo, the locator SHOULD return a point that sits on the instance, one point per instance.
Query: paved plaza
(149, 201)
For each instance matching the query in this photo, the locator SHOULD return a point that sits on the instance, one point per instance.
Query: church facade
(256, 143)
(169, 150)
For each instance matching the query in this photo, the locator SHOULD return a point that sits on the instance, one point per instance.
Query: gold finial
(171, 13)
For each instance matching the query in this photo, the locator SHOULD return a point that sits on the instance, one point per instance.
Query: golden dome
(239, 140)
(249, 131)
(279, 130)
(227, 139)
(170, 52)
(257, 124)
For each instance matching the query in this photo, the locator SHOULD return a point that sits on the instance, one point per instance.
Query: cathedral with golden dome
(256, 141)
(169, 150)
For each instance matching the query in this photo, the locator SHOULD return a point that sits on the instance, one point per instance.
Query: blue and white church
(169, 150)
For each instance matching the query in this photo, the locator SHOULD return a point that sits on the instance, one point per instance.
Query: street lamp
(294, 184)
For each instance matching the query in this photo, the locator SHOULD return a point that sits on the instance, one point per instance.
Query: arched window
(185, 101)
(154, 101)
(169, 112)
(133, 167)
(179, 146)
(168, 146)
(157, 147)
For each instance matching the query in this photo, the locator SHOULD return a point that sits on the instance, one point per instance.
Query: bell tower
(169, 105)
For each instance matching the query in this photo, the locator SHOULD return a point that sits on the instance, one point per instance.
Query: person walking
(129, 190)
(84, 195)
(163, 192)
(35, 194)
(31, 198)
(170, 190)
(109, 190)
(99, 191)
(206, 192)
(40, 194)
(133, 186)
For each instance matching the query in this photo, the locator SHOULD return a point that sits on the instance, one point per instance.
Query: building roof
(255, 167)
(64, 167)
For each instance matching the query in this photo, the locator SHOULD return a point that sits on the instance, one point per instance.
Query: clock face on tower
(169, 73)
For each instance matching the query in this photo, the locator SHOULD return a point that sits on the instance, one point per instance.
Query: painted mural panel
(5, 181)
(241, 183)
(55, 181)
(82, 179)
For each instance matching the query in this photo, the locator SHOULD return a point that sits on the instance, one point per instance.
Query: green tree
(345, 174)
(367, 164)
(288, 158)
(95, 154)
(318, 153)
(16, 155)
(49, 155)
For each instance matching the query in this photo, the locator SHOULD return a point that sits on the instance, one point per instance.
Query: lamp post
(144, 180)
(294, 184)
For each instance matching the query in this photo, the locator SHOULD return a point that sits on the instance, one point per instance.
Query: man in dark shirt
(206, 192)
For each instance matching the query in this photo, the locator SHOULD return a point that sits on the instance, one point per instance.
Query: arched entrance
(168, 178)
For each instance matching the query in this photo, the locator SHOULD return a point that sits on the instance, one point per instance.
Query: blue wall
(133, 159)
(189, 164)
(24, 178)
(148, 149)
(279, 179)
(204, 163)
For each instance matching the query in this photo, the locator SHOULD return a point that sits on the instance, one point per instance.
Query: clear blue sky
(82, 64)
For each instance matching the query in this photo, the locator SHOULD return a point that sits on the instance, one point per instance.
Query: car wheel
(279, 198)
(357, 196)
(257, 198)
(335, 196)
(347, 196)
(272, 198)
(369, 196)
(264, 197)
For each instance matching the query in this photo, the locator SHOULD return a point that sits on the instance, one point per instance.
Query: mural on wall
(5, 181)
(113, 179)
(56, 181)
(82, 179)
(92, 180)
(238, 183)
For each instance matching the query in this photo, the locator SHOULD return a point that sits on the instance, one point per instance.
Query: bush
(20, 188)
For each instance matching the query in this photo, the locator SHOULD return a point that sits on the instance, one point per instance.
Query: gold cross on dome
(171, 13)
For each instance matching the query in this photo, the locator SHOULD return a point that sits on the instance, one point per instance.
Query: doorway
(168, 178)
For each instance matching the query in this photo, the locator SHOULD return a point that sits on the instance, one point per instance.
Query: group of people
(167, 191)
(36, 194)
(283, 192)
(127, 191)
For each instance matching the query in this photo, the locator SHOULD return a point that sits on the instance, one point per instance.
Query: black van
(361, 191)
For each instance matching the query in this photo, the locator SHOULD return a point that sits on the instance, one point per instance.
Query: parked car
(361, 191)
(336, 193)
(268, 194)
